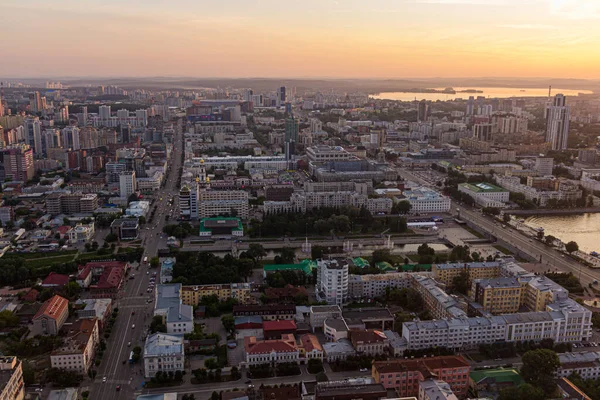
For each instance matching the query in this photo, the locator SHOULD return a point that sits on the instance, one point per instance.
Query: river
(583, 229)
(488, 92)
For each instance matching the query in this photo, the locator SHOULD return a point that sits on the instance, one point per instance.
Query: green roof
(482, 187)
(233, 222)
(360, 262)
(305, 266)
(411, 267)
(385, 266)
(500, 375)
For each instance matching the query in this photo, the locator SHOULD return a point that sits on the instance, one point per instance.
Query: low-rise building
(318, 315)
(284, 350)
(11, 379)
(369, 342)
(404, 376)
(221, 226)
(350, 389)
(192, 294)
(95, 308)
(485, 194)
(277, 329)
(79, 348)
(81, 233)
(338, 351)
(125, 228)
(177, 317)
(435, 389)
(586, 364)
(425, 201)
(310, 348)
(163, 353)
(268, 312)
(51, 316)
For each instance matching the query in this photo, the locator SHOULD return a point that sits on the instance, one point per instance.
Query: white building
(223, 202)
(138, 208)
(485, 194)
(435, 389)
(585, 363)
(152, 182)
(163, 353)
(332, 281)
(77, 353)
(81, 233)
(177, 317)
(322, 153)
(544, 166)
(558, 114)
(424, 200)
(127, 184)
(372, 286)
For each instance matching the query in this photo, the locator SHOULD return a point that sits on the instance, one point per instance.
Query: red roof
(287, 344)
(84, 272)
(54, 279)
(281, 325)
(63, 229)
(310, 343)
(31, 295)
(53, 307)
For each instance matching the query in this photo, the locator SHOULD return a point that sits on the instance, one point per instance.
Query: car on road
(118, 388)
(363, 370)
(133, 313)
(104, 380)
(128, 344)
(133, 326)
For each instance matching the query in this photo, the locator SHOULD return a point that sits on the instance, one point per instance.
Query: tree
(317, 252)
(401, 207)
(539, 369)
(228, 323)
(211, 363)
(157, 324)
(287, 256)
(571, 247)
(154, 262)
(71, 290)
(460, 283)
(381, 255)
(215, 396)
(66, 221)
(321, 377)
(256, 251)
(550, 240)
(315, 366)
(141, 220)
(506, 218)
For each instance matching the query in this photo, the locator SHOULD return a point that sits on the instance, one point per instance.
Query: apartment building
(284, 350)
(223, 202)
(11, 379)
(498, 295)
(372, 286)
(567, 191)
(445, 273)
(51, 316)
(71, 203)
(78, 351)
(332, 281)
(163, 353)
(437, 301)
(192, 294)
(404, 376)
(586, 364)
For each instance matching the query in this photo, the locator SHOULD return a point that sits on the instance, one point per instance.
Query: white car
(104, 380)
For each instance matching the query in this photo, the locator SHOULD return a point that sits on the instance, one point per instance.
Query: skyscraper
(471, 105)
(423, 109)
(35, 102)
(292, 128)
(558, 114)
(16, 163)
(33, 134)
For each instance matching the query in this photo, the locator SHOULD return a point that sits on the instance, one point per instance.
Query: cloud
(529, 26)
(462, 2)
(576, 9)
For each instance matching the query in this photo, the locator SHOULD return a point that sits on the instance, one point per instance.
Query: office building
(11, 379)
(486, 194)
(423, 111)
(426, 201)
(498, 295)
(445, 273)
(164, 353)
(332, 281)
(558, 115)
(127, 184)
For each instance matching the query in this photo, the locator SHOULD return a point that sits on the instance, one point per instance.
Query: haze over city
(312, 38)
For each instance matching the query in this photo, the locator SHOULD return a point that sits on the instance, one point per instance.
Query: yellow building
(192, 294)
(541, 291)
(498, 295)
(477, 270)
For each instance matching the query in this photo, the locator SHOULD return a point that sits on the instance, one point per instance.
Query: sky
(300, 38)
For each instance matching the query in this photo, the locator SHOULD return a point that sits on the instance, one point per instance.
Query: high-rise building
(70, 136)
(16, 163)
(127, 184)
(292, 128)
(483, 132)
(558, 114)
(423, 111)
(281, 96)
(332, 281)
(471, 105)
(35, 102)
(33, 134)
(11, 379)
(104, 113)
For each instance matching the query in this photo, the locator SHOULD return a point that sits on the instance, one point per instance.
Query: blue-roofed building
(177, 317)
(163, 353)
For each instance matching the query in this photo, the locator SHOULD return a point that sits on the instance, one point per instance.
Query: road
(534, 248)
(136, 303)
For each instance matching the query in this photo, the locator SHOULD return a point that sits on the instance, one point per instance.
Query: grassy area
(473, 232)
(503, 250)
(43, 262)
(94, 256)
(33, 256)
